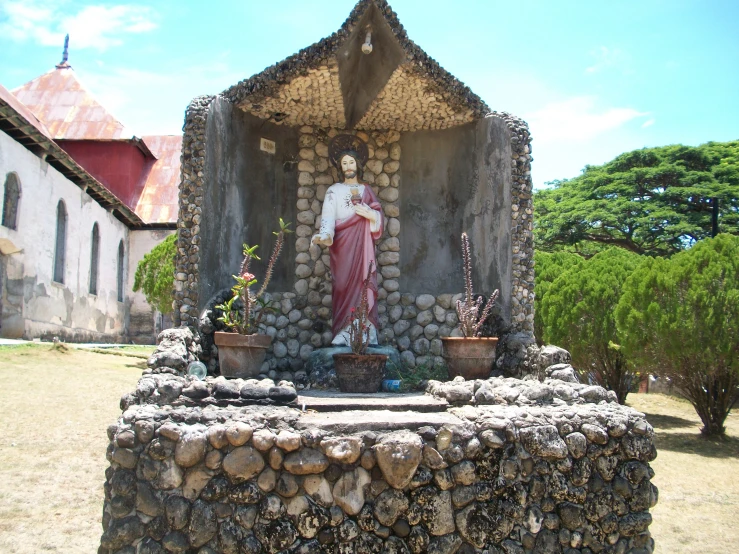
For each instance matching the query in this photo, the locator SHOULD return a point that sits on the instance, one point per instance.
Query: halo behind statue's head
(347, 144)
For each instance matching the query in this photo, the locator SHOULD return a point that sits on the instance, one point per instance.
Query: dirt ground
(698, 479)
(54, 411)
(55, 408)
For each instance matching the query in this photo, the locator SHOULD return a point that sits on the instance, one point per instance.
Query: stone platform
(509, 466)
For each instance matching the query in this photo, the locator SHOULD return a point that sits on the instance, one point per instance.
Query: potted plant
(471, 355)
(242, 349)
(359, 371)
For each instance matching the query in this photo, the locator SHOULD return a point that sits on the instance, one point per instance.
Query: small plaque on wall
(268, 146)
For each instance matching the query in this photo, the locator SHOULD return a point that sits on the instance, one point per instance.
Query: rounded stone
(321, 149)
(305, 179)
(393, 298)
(463, 473)
(342, 449)
(239, 433)
(190, 450)
(275, 458)
(407, 357)
(279, 349)
(430, 332)
(305, 351)
(389, 506)
(242, 463)
(388, 194)
(391, 167)
(421, 346)
(306, 461)
(388, 258)
(375, 166)
(288, 441)
(263, 440)
(305, 165)
(395, 151)
(424, 318)
(301, 287)
(393, 226)
(415, 332)
(286, 486)
(348, 491)
(267, 479)
(390, 285)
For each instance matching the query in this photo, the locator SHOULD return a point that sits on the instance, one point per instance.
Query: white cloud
(648, 123)
(608, 57)
(99, 27)
(150, 103)
(577, 119)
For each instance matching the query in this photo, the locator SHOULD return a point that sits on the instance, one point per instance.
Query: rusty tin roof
(68, 110)
(158, 203)
(8, 97)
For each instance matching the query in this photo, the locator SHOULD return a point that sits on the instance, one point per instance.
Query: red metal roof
(69, 111)
(23, 110)
(158, 202)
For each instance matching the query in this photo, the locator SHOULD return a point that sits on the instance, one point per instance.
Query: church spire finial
(65, 55)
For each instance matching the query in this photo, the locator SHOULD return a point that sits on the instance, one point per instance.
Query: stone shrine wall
(517, 466)
(495, 204)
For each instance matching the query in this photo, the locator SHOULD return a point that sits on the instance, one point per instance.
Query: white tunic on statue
(337, 205)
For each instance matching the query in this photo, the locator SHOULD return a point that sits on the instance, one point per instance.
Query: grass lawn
(55, 407)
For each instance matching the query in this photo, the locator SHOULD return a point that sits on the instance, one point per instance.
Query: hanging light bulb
(367, 46)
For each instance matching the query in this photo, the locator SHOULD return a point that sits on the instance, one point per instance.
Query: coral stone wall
(519, 466)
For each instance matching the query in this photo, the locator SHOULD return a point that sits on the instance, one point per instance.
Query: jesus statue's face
(349, 166)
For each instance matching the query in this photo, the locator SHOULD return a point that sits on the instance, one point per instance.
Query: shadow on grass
(695, 443)
(138, 365)
(662, 421)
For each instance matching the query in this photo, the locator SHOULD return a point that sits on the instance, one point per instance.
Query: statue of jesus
(351, 222)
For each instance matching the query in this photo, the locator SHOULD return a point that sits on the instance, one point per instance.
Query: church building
(83, 200)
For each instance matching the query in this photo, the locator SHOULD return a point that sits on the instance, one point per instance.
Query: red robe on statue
(351, 253)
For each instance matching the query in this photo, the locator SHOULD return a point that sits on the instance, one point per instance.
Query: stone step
(382, 421)
(333, 401)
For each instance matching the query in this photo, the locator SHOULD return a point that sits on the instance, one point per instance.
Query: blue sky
(593, 79)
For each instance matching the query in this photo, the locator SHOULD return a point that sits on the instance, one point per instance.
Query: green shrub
(577, 313)
(679, 318)
(155, 275)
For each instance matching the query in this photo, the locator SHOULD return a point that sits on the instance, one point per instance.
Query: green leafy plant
(578, 313)
(549, 266)
(248, 319)
(471, 318)
(415, 378)
(679, 318)
(155, 275)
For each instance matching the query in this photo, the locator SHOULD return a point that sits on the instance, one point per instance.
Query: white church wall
(33, 304)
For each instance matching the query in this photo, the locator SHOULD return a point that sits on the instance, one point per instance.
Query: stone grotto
(529, 460)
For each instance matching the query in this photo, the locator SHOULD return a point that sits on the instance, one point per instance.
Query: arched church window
(11, 199)
(61, 241)
(94, 259)
(121, 266)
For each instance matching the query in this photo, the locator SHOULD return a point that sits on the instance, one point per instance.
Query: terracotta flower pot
(471, 358)
(360, 372)
(241, 356)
